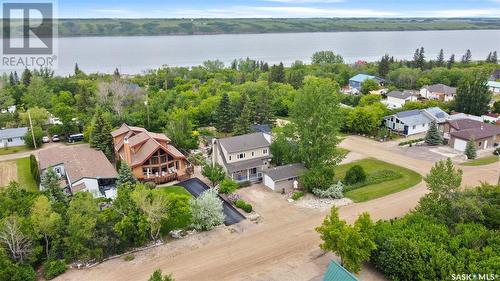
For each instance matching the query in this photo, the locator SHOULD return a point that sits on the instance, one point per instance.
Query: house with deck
(12, 137)
(151, 156)
(80, 168)
(415, 121)
(244, 157)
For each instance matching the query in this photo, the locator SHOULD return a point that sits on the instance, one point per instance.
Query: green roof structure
(336, 272)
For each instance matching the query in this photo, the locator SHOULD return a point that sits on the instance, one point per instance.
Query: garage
(459, 145)
(283, 178)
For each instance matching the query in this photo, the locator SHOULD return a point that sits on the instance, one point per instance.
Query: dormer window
(240, 156)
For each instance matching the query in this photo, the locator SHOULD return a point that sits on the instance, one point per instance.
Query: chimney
(126, 148)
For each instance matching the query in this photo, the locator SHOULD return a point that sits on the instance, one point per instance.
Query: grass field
(369, 192)
(481, 161)
(176, 190)
(10, 150)
(24, 176)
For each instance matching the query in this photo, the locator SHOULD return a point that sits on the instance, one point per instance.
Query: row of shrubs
(297, 195)
(243, 205)
(410, 142)
(375, 178)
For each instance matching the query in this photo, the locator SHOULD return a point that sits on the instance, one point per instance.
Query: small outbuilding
(284, 178)
(12, 137)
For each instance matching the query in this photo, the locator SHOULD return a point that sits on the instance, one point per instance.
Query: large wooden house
(150, 155)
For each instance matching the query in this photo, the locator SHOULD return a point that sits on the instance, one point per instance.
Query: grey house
(12, 137)
(244, 157)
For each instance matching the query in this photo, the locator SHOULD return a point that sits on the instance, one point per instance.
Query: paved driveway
(196, 187)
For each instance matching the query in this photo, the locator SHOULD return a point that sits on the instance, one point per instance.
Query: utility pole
(31, 128)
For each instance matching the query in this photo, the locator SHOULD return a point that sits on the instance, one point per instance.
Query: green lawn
(176, 190)
(369, 192)
(482, 161)
(15, 149)
(24, 176)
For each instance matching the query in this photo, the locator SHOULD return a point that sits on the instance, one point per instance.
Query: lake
(136, 54)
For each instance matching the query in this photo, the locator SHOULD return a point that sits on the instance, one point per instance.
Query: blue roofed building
(494, 87)
(355, 81)
(12, 137)
(336, 272)
(415, 121)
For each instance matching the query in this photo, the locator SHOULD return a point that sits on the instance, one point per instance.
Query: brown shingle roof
(79, 162)
(474, 129)
(441, 88)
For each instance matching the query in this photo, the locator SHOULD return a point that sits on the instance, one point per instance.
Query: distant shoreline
(177, 27)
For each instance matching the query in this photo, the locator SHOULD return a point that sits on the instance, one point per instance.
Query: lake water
(136, 54)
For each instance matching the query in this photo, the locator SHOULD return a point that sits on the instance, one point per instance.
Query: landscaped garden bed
(382, 179)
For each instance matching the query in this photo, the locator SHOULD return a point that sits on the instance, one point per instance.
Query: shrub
(34, 168)
(410, 142)
(376, 177)
(129, 258)
(206, 211)
(320, 177)
(233, 197)
(335, 191)
(355, 174)
(38, 134)
(228, 186)
(53, 268)
(243, 205)
(197, 159)
(297, 195)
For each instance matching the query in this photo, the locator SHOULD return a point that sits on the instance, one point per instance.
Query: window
(241, 156)
(9, 140)
(414, 127)
(423, 125)
(253, 154)
(264, 151)
(229, 157)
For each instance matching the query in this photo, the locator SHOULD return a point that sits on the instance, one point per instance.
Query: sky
(276, 8)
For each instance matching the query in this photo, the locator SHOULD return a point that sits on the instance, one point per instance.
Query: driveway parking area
(428, 153)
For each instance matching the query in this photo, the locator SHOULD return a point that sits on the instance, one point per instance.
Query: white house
(80, 168)
(415, 121)
(244, 157)
(438, 92)
(283, 178)
(396, 99)
(12, 137)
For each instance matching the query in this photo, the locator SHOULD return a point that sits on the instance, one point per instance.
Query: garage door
(460, 145)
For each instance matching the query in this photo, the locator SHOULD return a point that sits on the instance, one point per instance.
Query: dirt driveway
(284, 246)
(8, 172)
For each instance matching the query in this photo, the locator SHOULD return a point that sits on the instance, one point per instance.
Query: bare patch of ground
(8, 172)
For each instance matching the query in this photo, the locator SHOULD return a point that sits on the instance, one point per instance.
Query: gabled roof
(264, 128)
(336, 272)
(79, 161)
(144, 144)
(244, 142)
(457, 116)
(422, 116)
(441, 88)
(286, 172)
(400, 95)
(362, 77)
(13, 132)
(467, 129)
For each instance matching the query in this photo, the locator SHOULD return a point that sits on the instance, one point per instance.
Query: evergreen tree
(494, 57)
(52, 188)
(12, 81)
(488, 58)
(100, 133)
(77, 69)
(470, 149)
(466, 58)
(451, 61)
(384, 66)
(224, 115)
(234, 64)
(125, 175)
(433, 137)
(26, 77)
(265, 67)
(473, 96)
(16, 78)
(244, 121)
(263, 111)
(158, 276)
(277, 74)
(440, 58)
(116, 73)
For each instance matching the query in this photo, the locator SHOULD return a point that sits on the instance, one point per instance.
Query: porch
(252, 175)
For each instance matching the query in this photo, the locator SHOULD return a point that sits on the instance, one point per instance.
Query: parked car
(75, 138)
(55, 138)
(45, 139)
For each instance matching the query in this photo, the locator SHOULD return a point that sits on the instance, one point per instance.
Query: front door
(405, 131)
